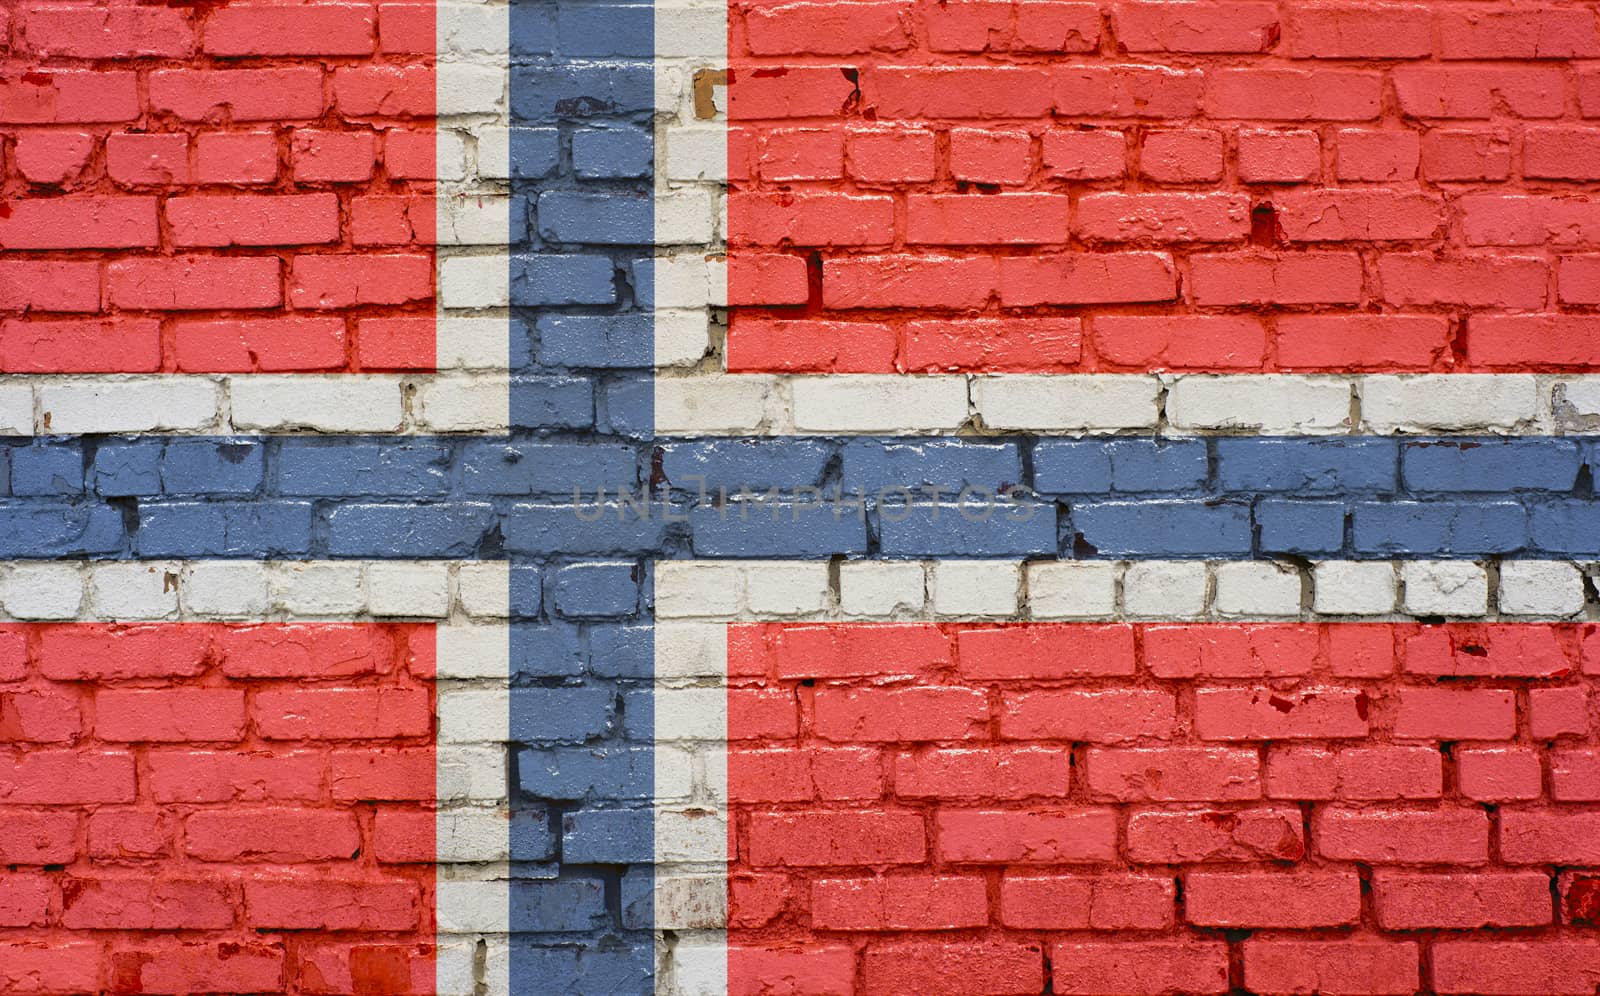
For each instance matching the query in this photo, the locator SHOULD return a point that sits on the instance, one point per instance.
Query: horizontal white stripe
(1173, 404)
(693, 598)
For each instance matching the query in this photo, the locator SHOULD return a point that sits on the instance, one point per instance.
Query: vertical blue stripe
(582, 150)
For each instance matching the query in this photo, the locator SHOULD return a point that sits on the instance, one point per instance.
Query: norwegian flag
(982, 496)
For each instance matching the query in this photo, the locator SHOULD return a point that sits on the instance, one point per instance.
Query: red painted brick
(194, 283)
(1279, 156)
(1378, 215)
(1497, 774)
(322, 903)
(1476, 92)
(1096, 278)
(1174, 774)
(985, 219)
(49, 285)
(266, 345)
(39, 837)
(45, 716)
(983, 773)
(1198, 217)
(928, 713)
(176, 714)
(1359, 31)
(992, 344)
(83, 345)
(890, 155)
(389, 774)
(51, 157)
(1284, 899)
(825, 29)
(1377, 156)
(1513, 283)
(1196, 27)
(290, 93)
(1530, 33)
(253, 220)
(824, 969)
(78, 652)
(1406, 836)
(1293, 94)
(1461, 901)
(1036, 836)
(1362, 342)
(1361, 966)
(1138, 967)
(1230, 651)
(223, 967)
(1084, 902)
(118, 834)
(1045, 651)
(788, 775)
(1542, 967)
(317, 29)
(1261, 714)
(342, 713)
(949, 968)
(1555, 712)
(1455, 714)
(140, 903)
(986, 156)
(877, 837)
(79, 223)
(810, 219)
(1110, 716)
(1181, 342)
(333, 156)
(1084, 155)
(1181, 156)
(147, 160)
(50, 777)
(282, 836)
(1290, 278)
(1574, 776)
(235, 776)
(1162, 837)
(115, 32)
(236, 157)
(63, 96)
(853, 651)
(351, 968)
(54, 967)
(900, 902)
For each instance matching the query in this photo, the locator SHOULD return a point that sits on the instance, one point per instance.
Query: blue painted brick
(1300, 527)
(1306, 466)
(500, 468)
(582, 773)
(1566, 527)
(1071, 466)
(595, 219)
(557, 529)
(542, 94)
(602, 30)
(1439, 528)
(526, 592)
(756, 464)
(639, 716)
(568, 904)
(1492, 465)
(212, 467)
(533, 29)
(776, 529)
(1001, 529)
(531, 836)
(612, 153)
(1171, 465)
(341, 468)
(560, 715)
(535, 152)
(44, 528)
(541, 651)
(608, 836)
(381, 530)
(124, 469)
(584, 971)
(5, 470)
(949, 465)
(638, 899)
(600, 341)
(549, 280)
(254, 529)
(622, 651)
(596, 591)
(47, 468)
(630, 407)
(552, 402)
(1164, 528)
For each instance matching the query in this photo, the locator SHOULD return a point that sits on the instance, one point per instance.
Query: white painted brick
(134, 590)
(472, 835)
(696, 154)
(683, 338)
(472, 907)
(1083, 589)
(1252, 589)
(42, 591)
(691, 835)
(1582, 393)
(327, 403)
(494, 152)
(453, 967)
(1445, 588)
(691, 714)
(1540, 588)
(682, 281)
(472, 343)
(475, 282)
(227, 589)
(470, 219)
(1447, 402)
(713, 404)
(1352, 588)
(474, 715)
(699, 588)
(683, 217)
(471, 774)
(717, 280)
(691, 649)
(467, 28)
(421, 590)
(690, 902)
(879, 589)
(484, 590)
(1267, 403)
(1067, 403)
(1164, 588)
(692, 31)
(450, 156)
(879, 403)
(698, 969)
(464, 404)
(138, 404)
(674, 773)
(463, 88)
(317, 589)
(976, 587)
(16, 410)
(787, 589)
(474, 652)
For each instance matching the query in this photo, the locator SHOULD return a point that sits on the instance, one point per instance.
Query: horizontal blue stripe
(400, 497)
